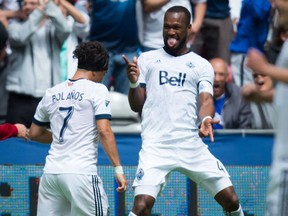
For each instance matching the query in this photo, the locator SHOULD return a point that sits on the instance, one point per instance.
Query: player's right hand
(132, 69)
(206, 128)
(122, 183)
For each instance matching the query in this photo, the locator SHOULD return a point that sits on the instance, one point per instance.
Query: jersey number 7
(69, 112)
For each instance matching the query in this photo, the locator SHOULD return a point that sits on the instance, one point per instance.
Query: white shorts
(71, 195)
(277, 191)
(157, 160)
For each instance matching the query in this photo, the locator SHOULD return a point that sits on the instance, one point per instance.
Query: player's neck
(179, 52)
(81, 74)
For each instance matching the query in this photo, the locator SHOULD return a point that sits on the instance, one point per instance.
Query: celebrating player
(166, 85)
(78, 111)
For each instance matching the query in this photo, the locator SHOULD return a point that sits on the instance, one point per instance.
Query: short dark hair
(3, 36)
(180, 9)
(91, 56)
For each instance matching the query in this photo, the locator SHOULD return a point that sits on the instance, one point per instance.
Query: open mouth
(260, 83)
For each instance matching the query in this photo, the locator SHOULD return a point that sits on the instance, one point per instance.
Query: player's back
(73, 107)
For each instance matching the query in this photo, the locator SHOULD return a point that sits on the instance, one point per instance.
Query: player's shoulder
(55, 88)
(197, 58)
(151, 54)
(199, 62)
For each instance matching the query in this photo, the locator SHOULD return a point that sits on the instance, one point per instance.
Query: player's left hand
(206, 128)
(122, 183)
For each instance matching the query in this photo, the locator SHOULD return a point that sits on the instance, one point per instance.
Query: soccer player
(78, 111)
(277, 190)
(166, 86)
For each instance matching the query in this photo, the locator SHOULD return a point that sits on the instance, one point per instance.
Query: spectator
(235, 8)
(79, 21)
(252, 31)
(79, 119)
(231, 109)
(34, 63)
(10, 10)
(151, 20)
(216, 33)
(13, 130)
(114, 25)
(263, 112)
(272, 49)
(3, 73)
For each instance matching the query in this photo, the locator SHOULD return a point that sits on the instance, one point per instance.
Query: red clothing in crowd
(8, 130)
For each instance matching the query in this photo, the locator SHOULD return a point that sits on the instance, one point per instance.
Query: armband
(118, 170)
(134, 85)
(206, 117)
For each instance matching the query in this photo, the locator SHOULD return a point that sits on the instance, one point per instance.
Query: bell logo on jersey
(172, 80)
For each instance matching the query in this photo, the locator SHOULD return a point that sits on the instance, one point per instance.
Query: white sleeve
(205, 83)
(142, 68)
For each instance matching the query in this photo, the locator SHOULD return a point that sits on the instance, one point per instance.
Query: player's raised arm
(136, 94)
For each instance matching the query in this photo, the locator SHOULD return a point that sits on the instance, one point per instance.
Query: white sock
(131, 214)
(238, 212)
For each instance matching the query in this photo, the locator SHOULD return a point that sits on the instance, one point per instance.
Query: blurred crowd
(38, 38)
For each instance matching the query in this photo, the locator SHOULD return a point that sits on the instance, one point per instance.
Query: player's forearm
(73, 11)
(200, 10)
(40, 134)
(276, 73)
(152, 5)
(136, 98)
(45, 138)
(108, 142)
(206, 106)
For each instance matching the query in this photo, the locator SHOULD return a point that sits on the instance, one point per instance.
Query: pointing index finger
(126, 59)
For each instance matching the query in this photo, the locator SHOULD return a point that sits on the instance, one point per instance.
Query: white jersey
(72, 109)
(173, 85)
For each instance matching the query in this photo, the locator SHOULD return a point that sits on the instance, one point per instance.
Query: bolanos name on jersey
(164, 78)
(73, 95)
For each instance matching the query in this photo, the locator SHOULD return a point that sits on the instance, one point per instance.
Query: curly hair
(91, 56)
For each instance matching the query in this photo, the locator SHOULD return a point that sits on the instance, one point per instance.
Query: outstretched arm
(8, 130)
(258, 63)
(251, 93)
